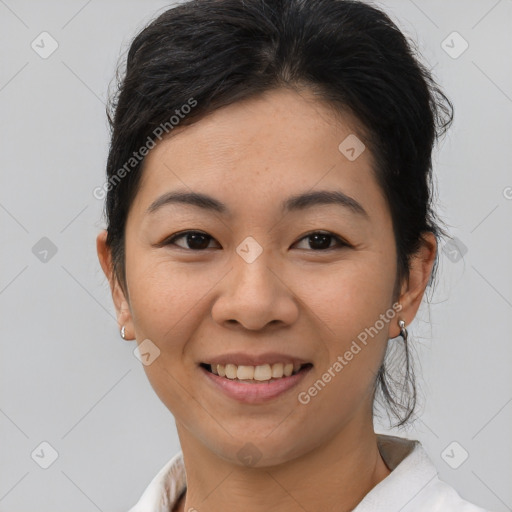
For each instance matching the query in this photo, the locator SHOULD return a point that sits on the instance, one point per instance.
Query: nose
(254, 296)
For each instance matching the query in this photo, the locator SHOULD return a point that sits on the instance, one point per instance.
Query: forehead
(253, 153)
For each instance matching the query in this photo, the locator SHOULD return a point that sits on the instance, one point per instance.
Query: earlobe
(124, 319)
(420, 269)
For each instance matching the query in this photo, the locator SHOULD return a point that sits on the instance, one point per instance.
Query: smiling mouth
(260, 373)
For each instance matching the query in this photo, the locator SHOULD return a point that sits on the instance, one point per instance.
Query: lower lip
(252, 393)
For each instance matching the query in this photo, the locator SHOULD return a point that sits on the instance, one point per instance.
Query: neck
(333, 476)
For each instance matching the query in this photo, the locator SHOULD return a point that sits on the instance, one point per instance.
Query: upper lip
(240, 358)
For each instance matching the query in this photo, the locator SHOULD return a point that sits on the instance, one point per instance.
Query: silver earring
(403, 330)
(123, 332)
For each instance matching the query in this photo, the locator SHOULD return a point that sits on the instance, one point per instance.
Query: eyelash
(340, 242)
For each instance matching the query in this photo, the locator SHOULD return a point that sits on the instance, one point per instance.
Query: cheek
(347, 302)
(165, 304)
(164, 296)
(346, 306)
(349, 296)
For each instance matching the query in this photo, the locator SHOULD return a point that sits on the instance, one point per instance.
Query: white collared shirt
(412, 486)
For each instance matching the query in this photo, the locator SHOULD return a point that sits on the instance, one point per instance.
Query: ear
(420, 266)
(123, 312)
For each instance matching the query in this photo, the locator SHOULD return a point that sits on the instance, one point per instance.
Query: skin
(294, 298)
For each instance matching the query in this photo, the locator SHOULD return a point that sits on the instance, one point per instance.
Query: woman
(269, 229)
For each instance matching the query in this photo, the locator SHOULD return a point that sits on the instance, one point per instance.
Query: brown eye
(194, 240)
(321, 241)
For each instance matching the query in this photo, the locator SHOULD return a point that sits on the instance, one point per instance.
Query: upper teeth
(260, 372)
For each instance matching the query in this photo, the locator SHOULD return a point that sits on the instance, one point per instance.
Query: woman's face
(257, 282)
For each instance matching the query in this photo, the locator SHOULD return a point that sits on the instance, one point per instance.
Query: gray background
(67, 378)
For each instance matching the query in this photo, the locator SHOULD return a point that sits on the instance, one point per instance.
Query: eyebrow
(293, 203)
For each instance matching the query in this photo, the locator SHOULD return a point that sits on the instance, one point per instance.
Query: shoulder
(163, 491)
(413, 484)
(440, 496)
